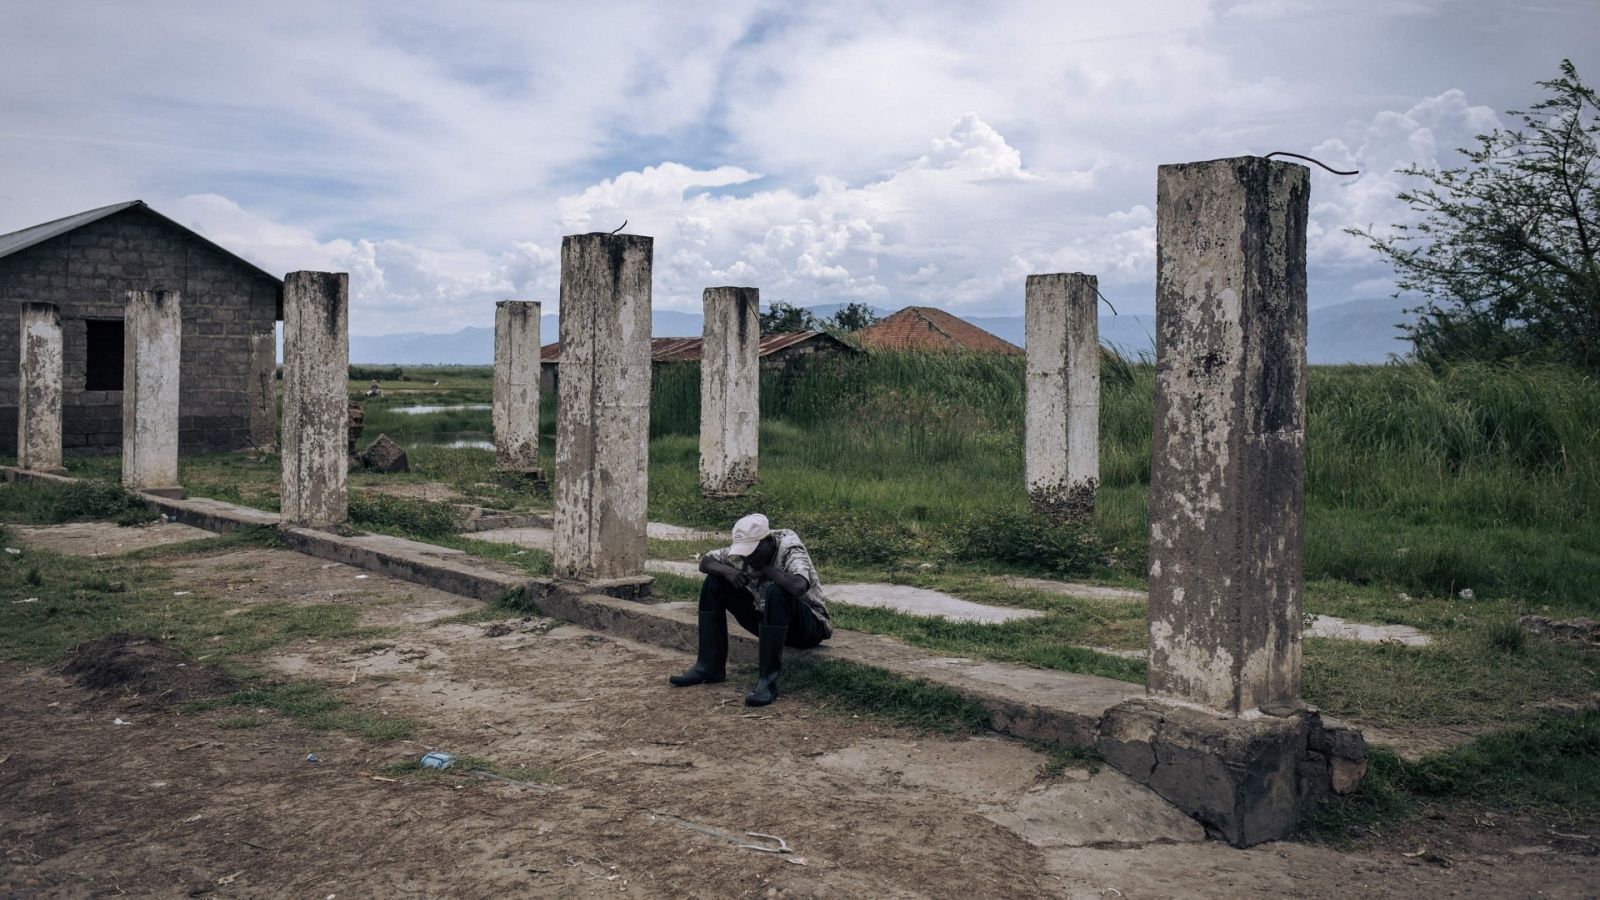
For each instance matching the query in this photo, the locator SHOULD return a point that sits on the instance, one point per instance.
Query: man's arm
(731, 574)
(792, 584)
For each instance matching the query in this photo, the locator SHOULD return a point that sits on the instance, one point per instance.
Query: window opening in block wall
(102, 370)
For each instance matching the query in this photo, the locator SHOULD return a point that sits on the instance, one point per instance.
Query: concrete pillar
(603, 408)
(39, 389)
(730, 390)
(1227, 484)
(1061, 457)
(316, 411)
(261, 392)
(516, 386)
(152, 340)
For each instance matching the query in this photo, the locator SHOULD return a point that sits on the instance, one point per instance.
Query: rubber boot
(711, 662)
(766, 691)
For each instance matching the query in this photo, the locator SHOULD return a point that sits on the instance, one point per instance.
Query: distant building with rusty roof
(788, 352)
(925, 329)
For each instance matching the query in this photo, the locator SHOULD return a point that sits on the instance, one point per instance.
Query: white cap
(747, 533)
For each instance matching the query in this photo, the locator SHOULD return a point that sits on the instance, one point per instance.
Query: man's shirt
(792, 557)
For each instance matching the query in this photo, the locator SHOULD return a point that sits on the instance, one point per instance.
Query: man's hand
(731, 574)
(792, 584)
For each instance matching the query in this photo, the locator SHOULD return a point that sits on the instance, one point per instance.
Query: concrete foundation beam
(516, 386)
(1061, 456)
(730, 390)
(316, 413)
(603, 412)
(1227, 484)
(152, 353)
(39, 389)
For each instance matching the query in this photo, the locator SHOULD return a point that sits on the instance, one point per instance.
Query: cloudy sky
(894, 153)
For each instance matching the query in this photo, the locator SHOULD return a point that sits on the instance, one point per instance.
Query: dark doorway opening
(102, 370)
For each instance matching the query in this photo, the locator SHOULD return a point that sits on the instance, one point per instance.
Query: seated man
(767, 581)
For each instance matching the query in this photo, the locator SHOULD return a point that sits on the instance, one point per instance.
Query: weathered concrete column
(1227, 485)
(261, 392)
(516, 386)
(1061, 457)
(316, 374)
(39, 389)
(730, 390)
(603, 411)
(1224, 735)
(152, 342)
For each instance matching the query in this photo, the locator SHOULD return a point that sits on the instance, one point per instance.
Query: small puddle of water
(425, 410)
(454, 440)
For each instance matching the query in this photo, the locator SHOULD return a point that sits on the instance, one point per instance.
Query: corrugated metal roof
(926, 328)
(27, 237)
(687, 349)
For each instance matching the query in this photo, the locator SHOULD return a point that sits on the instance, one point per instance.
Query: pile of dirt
(142, 667)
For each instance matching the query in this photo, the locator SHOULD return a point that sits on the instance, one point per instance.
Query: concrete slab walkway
(899, 597)
(917, 601)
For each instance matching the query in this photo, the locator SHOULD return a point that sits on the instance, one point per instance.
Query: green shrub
(1027, 538)
(1506, 637)
(1553, 763)
(841, 536)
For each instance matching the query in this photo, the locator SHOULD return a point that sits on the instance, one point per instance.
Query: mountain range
(1357, 331)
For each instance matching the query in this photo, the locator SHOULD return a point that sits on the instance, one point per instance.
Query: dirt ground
(645, 785)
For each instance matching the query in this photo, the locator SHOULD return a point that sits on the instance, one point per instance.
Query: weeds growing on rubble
(1551, 766)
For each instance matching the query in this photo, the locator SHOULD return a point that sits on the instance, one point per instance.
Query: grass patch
(676, 587)
(54, 502)
(874, 693)
(1048, 642)
(1468, 676)
(81, 599)
(532, 560)
(403, 515)
(263, 536)
(1059, 759)
(1550, 765)
(314, 706)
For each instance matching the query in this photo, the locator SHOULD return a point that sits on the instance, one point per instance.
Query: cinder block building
(85, 264)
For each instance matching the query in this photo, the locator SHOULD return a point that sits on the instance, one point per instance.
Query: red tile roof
(925, 328)
(687, 349)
